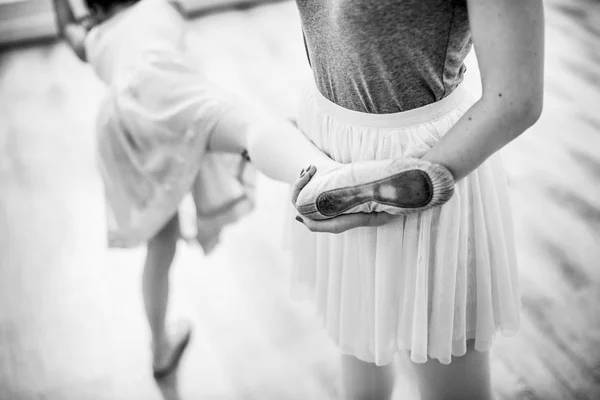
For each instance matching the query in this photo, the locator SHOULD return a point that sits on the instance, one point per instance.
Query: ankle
(160, 343)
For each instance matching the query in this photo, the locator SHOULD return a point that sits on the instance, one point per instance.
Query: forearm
(485, 128)
(509, 39)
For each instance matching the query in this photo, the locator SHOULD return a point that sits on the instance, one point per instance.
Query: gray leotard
(386, 56)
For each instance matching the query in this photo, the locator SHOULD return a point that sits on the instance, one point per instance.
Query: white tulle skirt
(428, 282)
(153, 130)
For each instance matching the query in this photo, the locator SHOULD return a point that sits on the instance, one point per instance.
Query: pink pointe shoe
(397, 186)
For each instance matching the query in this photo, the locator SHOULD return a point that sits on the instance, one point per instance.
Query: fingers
(338, 224)
(382, 218)
(345, 222)
(305, 176)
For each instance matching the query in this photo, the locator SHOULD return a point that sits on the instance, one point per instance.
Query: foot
(167, 355)
(398, 186)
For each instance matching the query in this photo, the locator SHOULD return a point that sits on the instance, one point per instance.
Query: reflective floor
(71, 317)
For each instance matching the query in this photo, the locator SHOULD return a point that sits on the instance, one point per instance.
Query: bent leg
(277, 148)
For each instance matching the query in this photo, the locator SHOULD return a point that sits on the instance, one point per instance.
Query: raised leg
(276, 147)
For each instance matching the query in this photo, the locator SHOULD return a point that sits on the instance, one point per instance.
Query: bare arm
(69, 28)
(509, 40)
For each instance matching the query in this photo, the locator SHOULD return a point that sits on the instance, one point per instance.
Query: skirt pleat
(153, 130)
(426, 282)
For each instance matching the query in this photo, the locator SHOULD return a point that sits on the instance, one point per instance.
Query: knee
(168, 235)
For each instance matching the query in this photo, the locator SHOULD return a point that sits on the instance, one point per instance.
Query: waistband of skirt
(417, 116)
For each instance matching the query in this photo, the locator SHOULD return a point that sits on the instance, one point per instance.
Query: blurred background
(71, 315)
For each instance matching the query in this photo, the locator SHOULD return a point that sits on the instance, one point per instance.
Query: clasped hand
(338, 224)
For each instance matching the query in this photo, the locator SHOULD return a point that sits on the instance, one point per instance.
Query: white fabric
(427, 282)
(121, 43)
(153, 130)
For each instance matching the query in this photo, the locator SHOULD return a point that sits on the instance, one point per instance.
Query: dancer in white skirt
(162, 132)
(438, 284)
(155, 127)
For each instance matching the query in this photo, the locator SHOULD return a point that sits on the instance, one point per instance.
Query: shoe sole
(405, 190)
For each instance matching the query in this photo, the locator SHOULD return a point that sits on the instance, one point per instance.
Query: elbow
(530, 104)
(520, 107)
(522, 117)
(531, 110)
(522, 112)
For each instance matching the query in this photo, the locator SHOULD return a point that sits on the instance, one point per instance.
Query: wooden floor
(71, 321)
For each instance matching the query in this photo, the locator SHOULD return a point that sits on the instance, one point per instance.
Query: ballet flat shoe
(181, 341)
(398, 186)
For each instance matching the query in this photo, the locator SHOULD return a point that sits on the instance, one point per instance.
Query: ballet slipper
(397, 186)
(181, 339)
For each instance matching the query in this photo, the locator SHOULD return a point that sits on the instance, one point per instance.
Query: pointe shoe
(398, 186)
(181, 339)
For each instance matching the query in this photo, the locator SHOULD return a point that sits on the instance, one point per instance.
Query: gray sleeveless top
(386, 56)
